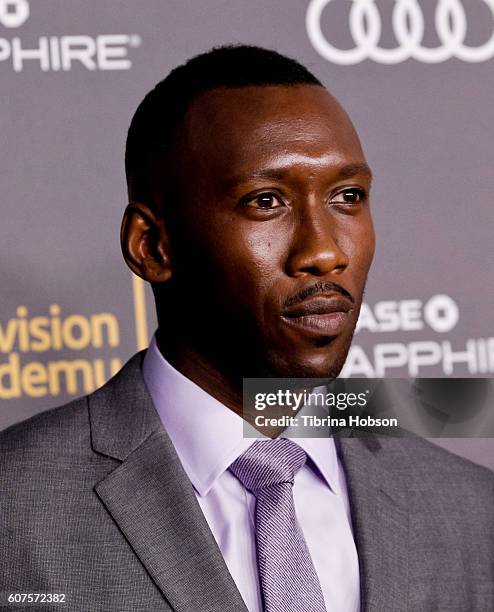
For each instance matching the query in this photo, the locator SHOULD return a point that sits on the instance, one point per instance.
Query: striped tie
(288, 579)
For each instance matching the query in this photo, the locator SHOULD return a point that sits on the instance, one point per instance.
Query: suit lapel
(152, 500)
(380, 521)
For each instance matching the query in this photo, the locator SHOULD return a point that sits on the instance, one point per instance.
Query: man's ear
(144, 243)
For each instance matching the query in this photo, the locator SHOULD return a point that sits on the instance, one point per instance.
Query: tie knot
(267, 463)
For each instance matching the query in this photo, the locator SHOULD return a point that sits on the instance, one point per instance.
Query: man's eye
(349, 196)
(267, 201)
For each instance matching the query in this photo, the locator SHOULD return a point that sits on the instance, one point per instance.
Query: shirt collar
(206, 434)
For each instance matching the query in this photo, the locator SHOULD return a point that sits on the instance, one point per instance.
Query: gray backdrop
(417, 79)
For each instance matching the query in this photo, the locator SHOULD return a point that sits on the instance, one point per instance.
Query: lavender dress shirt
(208, 437)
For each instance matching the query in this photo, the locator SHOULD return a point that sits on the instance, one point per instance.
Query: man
(249, 215)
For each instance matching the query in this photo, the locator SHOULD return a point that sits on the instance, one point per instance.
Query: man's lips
(322, 315)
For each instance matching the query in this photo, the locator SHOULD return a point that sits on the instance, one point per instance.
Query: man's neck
(203, 373)
(197, 368)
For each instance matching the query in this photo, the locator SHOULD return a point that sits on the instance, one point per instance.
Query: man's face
(271, 234)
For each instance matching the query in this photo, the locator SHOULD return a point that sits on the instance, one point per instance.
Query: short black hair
(158, 117)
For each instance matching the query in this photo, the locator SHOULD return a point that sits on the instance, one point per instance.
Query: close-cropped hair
(155, 124)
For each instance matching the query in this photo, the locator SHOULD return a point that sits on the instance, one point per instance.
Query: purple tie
(288, 579)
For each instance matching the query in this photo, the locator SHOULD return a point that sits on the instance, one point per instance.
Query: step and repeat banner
(417, 79)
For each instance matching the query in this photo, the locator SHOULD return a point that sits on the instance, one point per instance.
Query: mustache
(317, 288)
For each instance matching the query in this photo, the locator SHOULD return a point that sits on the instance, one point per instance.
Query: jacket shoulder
(51, 431)
(426, 465)
(65, 430)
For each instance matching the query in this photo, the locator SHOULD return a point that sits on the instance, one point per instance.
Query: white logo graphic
(408, 26)
(13, 13)
(62, 53)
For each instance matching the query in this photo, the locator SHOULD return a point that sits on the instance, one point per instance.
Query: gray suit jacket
(95, 504)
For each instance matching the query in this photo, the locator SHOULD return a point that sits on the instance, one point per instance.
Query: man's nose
(315, 249)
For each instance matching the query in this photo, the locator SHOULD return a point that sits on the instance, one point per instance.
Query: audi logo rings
(408, 26)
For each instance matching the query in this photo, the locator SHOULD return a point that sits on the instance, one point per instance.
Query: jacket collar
(152, 501)
(380, 517)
